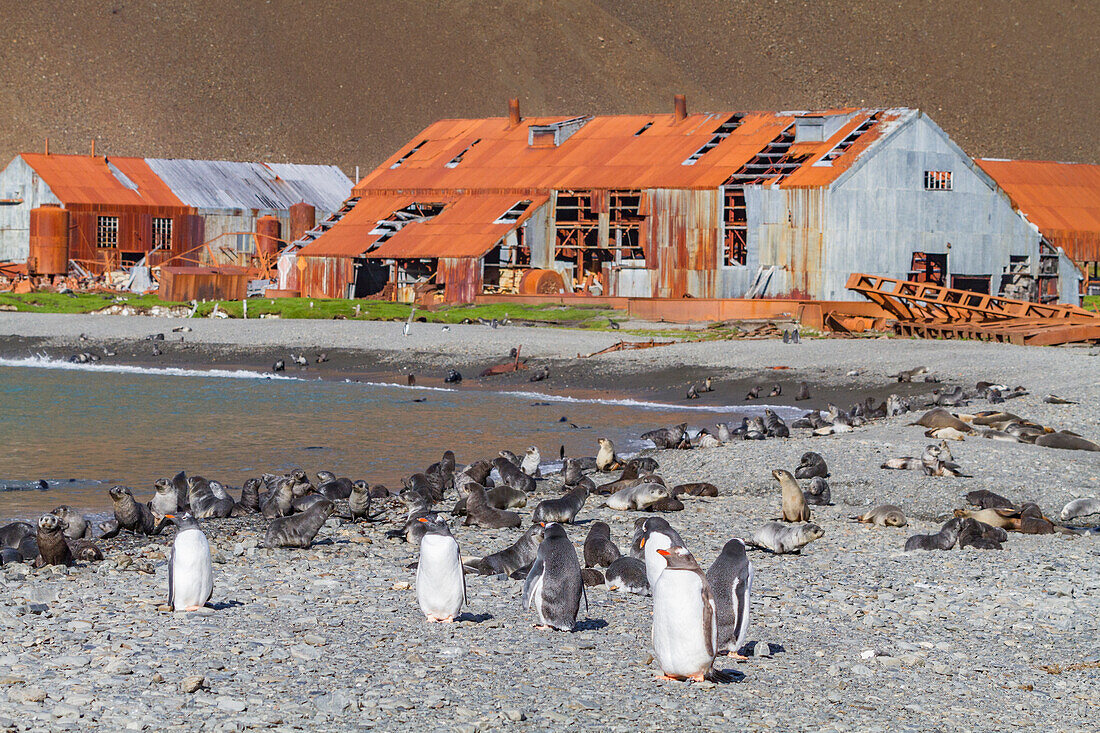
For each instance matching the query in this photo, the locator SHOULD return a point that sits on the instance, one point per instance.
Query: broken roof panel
(467, 227)
(351, 236)
(223, 184)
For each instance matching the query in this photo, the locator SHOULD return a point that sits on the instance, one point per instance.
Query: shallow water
(84, 428)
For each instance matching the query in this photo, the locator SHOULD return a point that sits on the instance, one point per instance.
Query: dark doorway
(928, 267)
(370, 277)
(973, 283)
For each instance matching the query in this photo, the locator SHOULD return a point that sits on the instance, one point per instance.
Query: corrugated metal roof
(223, 184)
(465, 228)
(1056, 197)
(351, 236)
(611, 152)
(87, 179)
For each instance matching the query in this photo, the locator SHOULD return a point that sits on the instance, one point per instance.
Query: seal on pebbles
(886, 515)
(794, 503)
(782, 539)
(300, 529)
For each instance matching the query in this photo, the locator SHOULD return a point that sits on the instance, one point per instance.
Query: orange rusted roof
(465, 228)
(611, 152)
(1053, 196)
(816, 172)
(87, 179)
(351, 236)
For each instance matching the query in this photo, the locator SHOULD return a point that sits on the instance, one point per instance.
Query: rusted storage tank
(303, 217)
(267, 236)
(49, 251)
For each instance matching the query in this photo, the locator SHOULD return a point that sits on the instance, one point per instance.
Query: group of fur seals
(974, 533)
(1002, 426)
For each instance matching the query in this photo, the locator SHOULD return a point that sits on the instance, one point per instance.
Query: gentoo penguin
(190, 572)
(554, 586)
(440, 580)
(657, 535)
(730, 579)
(685, 629)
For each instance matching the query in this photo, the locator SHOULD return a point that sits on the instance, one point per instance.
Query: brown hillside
(349, 82)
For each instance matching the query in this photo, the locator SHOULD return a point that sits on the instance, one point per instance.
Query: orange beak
(665, 553)
(421, 519)
(169, 516)
(643, 544)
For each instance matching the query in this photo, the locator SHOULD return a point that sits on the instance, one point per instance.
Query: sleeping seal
(627, 575)
(699, 488)
(637, 498)
(300, 529)
(794, 503)
(562, 510)
(480, 513)
(1066, 441)
(886, 515)
(599, 549)
(519, 555)
(505, 497)
(1080, 508)
(818, 493)
(782, 539)
(938, 417)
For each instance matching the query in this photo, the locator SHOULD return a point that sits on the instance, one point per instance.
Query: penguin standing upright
(190, 572)
(440, 581)
(554, 586)
(685, 631)
(730, 579)
(656, 534)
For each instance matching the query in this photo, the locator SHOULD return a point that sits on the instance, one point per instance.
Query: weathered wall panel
(19, 181)
(326, 277)
(461, 278)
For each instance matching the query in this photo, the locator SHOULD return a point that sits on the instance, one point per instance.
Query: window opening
(850, 139)
(162, 233)
(512, 215)
(736, 223)
(396, 221)
(721, 133)
(928, 267)
(453, 162)
(406, 156)
(106, 233)
(973, 283)
(577, 223)
(645, 127)
(937, 180)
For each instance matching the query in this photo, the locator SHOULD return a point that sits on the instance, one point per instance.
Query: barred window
(162, 232)
(106, 233)
(937, 180)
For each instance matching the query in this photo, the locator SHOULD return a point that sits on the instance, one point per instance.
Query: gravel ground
(853, 634)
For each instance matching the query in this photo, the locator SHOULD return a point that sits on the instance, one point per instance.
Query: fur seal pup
(902, 463)
(944, 539)
(685, 628)
(10, 555)
(510, 457)
(906, 375)
(12, 534)
(730, 580)
(300, 529)
(591, 577)
(280, 500)
(180, 482)
(250, 496)
(164, 501)
(803, 392)
(205, 504)
(553, 587)
(606, 460)
(440, 579)
(668, 504)
(627, 575)
(665, 438)
(136, 518)
(85, 550)
(52, 547)
(1066, 441)
(980, 536)
(480, 513)
(225, 500)
(886, 515)
(475, 473)
(782, 539)
(563, 510)
(938, 417)
(794, 503)
(190, 572)
(699, 488)
(935, 461)
(818, 492)
(505, 497)
(303, 503)
(637, 498)
(630, 477)
(532, 460)
(599, 549)
(518, 555)
(511, 475)
(705, 440)
(985, 499)
(1080, 508)
(331, 487)
(75, 525)
(359, 502)
(811, 465)
(774, 426)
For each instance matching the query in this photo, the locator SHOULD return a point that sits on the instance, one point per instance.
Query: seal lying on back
(136, 518)
(517, 556)
(1080, 508)
(480, 513)
(781, 539)
(637, 498)
(562, 510)
(300, 529)
(599, 549)
(886, 515)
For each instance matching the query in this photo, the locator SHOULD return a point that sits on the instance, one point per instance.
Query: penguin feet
(738, 657)
(544, 627)
(192, 608)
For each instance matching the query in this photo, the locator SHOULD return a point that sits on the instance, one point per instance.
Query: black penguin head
(435, 524)
(554, 531)
(734, 550)
(182, 521)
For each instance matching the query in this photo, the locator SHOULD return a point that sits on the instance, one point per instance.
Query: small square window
(162, 233)
(937, 180)
(106, 233)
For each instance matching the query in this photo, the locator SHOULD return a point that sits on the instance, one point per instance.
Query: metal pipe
(513, 111)
(680, 107)
(47, 146)
(93, 147)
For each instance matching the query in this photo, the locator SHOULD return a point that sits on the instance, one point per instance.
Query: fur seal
(591, 577)
(782, 539)
(52, 547)
(303, 503)
(886, 515)
(480, 513)
(700, 488)
(563, 510)
(250, 496)
(774, 426)
(440, 579)
(85, 550)
(985, 499)
(938, 417)
(131, 516)
(300, 529)
(794, 503)
(204, 503)
(190, 572)
(75, 525)
(637, 498)
(685, 629)
(164, 501)
(666, 438)
(518, 555)
(906, 375)
(811, 465)
(628, 575)
(629, 477)
(553, 587)
(818, 492)
(532, 460)
(599, 549)
(280, 500)
(980, 536)
(730, 580)
(505, 497)
(1066, 441)
(1080, 508)
(359, 502)
(606, 460)
(331, 487)
(12, 534)
(511, 475)
(944, 539)
(803, 392)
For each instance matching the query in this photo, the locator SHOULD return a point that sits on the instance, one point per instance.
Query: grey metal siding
(19, 180)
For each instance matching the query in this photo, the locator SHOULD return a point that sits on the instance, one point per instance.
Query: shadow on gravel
(590, 624)
(732, 675)
(224, 605)
(475, 618)
(761, 649)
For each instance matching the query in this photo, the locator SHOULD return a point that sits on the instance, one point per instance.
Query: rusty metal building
(727, 205)
(107, 212)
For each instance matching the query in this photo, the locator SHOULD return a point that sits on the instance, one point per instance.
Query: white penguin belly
(439, 583)
(679, 643)
(654, 563)
(192, 571)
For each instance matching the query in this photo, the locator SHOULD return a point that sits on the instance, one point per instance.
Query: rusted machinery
(932, 311)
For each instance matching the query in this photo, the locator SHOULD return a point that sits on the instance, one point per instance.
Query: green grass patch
(1091, 302)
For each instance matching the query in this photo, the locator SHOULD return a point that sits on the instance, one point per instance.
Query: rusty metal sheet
(351, 236)
(204, 283)
(1062, 199)
(460, 277)
(325, 277)
(88, 179)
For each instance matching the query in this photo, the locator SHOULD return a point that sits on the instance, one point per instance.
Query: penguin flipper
(529, 584)
(718, 675)
(171, 572)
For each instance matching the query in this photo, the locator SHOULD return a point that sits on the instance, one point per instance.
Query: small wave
(41, 362)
